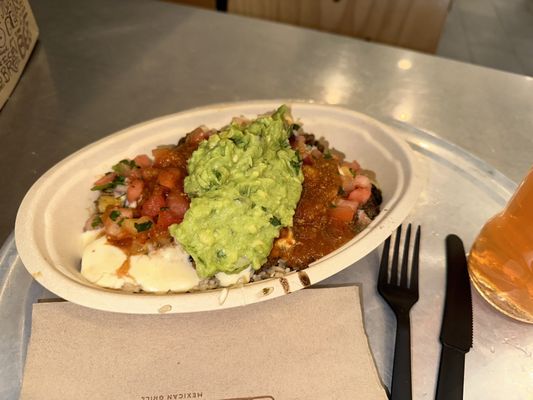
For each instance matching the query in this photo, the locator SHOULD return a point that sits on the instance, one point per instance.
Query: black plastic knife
(456, 331)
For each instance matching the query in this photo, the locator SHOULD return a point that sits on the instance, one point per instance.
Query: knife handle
(451, 374)
(401, 370)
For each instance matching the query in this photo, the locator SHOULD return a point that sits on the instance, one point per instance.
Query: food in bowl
(255, 199)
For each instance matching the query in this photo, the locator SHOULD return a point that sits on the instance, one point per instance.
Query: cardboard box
(18, 35)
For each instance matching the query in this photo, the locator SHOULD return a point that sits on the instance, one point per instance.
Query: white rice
(275, 271)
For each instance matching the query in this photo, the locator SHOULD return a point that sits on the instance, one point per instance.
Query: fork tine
(405, 258)
(414, 270)
(384, 266)
(395, 256)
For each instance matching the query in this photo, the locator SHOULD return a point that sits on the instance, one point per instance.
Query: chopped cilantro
(102, 187)
(352, 172)
(143, 226)
(124, 166)
(237, 140)
(244, 191)
(327, 155)
(119, 180)
(97, 221)
(295, 127)
(296, 166)
(275, 221)
(341, 191)
(217, 174)
(114, 215)
(221, 253)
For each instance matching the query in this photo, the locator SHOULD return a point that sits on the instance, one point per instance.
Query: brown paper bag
(18, 35)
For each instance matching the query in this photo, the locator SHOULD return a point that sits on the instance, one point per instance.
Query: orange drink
(501, 259)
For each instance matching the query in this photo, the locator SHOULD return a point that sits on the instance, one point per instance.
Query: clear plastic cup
(501, 259)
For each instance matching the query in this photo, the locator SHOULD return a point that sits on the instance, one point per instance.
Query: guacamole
(244, 183)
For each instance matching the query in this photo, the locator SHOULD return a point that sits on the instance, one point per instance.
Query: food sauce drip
(315, 232)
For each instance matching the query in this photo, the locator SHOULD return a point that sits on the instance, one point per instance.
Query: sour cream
(161, 271)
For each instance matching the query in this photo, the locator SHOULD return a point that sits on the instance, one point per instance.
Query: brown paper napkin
(307, 345)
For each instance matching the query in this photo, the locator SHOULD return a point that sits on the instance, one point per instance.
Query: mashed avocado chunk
(244, 184)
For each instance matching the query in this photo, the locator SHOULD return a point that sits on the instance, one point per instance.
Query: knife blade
(456, 330)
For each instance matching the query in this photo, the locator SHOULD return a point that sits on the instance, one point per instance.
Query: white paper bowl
(50, 219)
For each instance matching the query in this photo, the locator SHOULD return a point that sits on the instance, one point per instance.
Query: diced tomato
(126, 212)
(135, 189)
(169, 177)
(362, 189)
(197, 135)
(316, 153)
(348, 183)
(112, 229)
(163, 156)
(159, 190)
(360, 195)
(161, 152)
(308, 160)
(299, 145)
(343, 214)
(177, 203)
(149, 173)
(354, 205)
(143, 161)
(167, 218)
(135, 174)
(362, 181)
(107, 178)
(153, 205)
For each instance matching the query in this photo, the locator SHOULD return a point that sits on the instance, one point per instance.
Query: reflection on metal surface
(405, 64)
(404, 116)
(424, 145)
(401, 113)
(336, 86)
(404, 110)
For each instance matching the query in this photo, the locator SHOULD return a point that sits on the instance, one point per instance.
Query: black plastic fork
(401, 296)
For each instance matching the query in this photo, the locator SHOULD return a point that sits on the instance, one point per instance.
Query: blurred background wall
(491, 33)
(414, 24)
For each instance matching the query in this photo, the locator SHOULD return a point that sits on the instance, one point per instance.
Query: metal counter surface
(104, 65)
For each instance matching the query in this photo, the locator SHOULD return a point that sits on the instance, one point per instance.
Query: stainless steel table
(104, 65)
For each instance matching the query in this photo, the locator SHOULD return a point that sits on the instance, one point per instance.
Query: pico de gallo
(142, 196)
